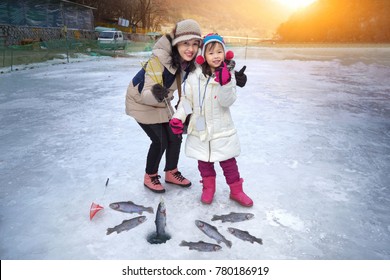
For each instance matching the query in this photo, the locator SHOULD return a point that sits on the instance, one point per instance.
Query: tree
(141, 13)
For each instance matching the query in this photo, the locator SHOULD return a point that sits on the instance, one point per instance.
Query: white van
(112, 39)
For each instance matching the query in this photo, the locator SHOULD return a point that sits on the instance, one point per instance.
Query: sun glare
(296, 4)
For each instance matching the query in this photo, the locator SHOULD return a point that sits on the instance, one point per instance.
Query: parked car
(111, 39)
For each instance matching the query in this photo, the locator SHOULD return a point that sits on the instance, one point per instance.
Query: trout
(233, 217)
(244, 235)
(127, 225)
(201, 246)
(212, 232)
(130, 207)
(160, 236)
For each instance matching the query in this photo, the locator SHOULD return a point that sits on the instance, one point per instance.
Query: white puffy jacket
(219, 140)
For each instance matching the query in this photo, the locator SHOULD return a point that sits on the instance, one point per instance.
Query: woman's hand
(176, 126)
(159, 92)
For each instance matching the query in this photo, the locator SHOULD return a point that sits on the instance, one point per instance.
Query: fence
(26, 45)
(62, 50)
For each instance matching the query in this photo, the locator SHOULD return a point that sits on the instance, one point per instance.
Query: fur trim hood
(163, 50)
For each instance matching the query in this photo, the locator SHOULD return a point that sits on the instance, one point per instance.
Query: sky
(295, 4)
(314, 127)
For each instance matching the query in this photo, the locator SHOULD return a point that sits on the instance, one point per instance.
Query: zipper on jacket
(201, 103)
(209, 151)
(201, 100)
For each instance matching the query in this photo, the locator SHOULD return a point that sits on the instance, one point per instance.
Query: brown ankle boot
(175, 177)
(152, 182)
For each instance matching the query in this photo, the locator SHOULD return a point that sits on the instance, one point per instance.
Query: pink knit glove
(176, 126)
(222, 74)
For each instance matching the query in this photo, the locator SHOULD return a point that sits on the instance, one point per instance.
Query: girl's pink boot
(237, 194)
(208, 189)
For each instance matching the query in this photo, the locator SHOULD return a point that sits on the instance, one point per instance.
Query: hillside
(258, 18)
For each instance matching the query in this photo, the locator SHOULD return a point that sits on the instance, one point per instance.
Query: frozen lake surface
(314, 126)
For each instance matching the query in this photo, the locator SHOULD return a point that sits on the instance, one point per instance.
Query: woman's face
(214, 55)
(188, 49)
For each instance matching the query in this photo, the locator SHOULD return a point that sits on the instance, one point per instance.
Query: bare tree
(147, 14)
(157, 14)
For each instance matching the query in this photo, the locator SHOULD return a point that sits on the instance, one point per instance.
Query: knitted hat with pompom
(213, 37)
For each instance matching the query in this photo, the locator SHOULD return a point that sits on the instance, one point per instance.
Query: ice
(314, 126)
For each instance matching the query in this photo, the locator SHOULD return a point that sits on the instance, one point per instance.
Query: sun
(296, 4)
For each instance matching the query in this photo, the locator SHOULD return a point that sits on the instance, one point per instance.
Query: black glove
(240, 77)
(159, 92)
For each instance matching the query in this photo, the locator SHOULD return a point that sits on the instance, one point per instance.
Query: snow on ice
(314, 125)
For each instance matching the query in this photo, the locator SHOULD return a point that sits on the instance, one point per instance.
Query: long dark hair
(206, 70)
(176, 58)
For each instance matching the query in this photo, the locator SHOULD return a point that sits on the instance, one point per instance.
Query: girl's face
(215, 55)
(188, 49)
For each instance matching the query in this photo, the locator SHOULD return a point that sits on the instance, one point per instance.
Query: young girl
(212, 137)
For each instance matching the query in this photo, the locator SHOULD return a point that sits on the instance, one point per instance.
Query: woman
(148, 100)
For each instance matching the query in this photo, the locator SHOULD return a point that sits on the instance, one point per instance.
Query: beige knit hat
(186, 30)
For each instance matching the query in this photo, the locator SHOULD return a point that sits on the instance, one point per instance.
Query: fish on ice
(160, 236)
(130, 207)
(127, 225)
(233, 217)
(212, 232)
(201, 246)
(161, 218)
(244, 235)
